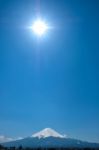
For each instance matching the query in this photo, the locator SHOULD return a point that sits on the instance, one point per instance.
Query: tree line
(41, 148)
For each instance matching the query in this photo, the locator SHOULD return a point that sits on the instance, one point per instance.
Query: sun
(39, 27)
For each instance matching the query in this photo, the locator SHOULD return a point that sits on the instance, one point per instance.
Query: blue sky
(52, 81)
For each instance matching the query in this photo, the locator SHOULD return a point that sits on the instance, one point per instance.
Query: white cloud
(8, 139)
(5, 139)
(19, 138)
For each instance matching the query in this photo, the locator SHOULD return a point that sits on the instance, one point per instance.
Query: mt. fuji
(47, 132)
(50, 138)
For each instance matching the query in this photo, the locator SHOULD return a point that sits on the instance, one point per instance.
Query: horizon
(49, 67)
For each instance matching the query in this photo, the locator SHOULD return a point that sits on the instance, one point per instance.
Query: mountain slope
(49, 138)
(49, 142)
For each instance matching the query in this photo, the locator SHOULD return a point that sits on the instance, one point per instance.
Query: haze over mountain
(49, 138)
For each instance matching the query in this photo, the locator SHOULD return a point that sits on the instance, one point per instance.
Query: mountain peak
(47, 132)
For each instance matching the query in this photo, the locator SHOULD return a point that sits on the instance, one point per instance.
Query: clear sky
(51, 81)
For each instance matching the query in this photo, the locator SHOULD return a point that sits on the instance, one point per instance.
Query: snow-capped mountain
(50, 138)
(47, 132)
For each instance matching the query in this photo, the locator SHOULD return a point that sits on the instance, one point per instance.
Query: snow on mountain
(47, 132)
(48, 138)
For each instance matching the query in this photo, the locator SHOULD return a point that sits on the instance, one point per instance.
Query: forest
(41, 148)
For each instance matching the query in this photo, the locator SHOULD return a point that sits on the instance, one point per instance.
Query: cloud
(4, 139)
(19, 138)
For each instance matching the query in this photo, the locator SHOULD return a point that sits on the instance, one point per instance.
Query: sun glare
(39, 27)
